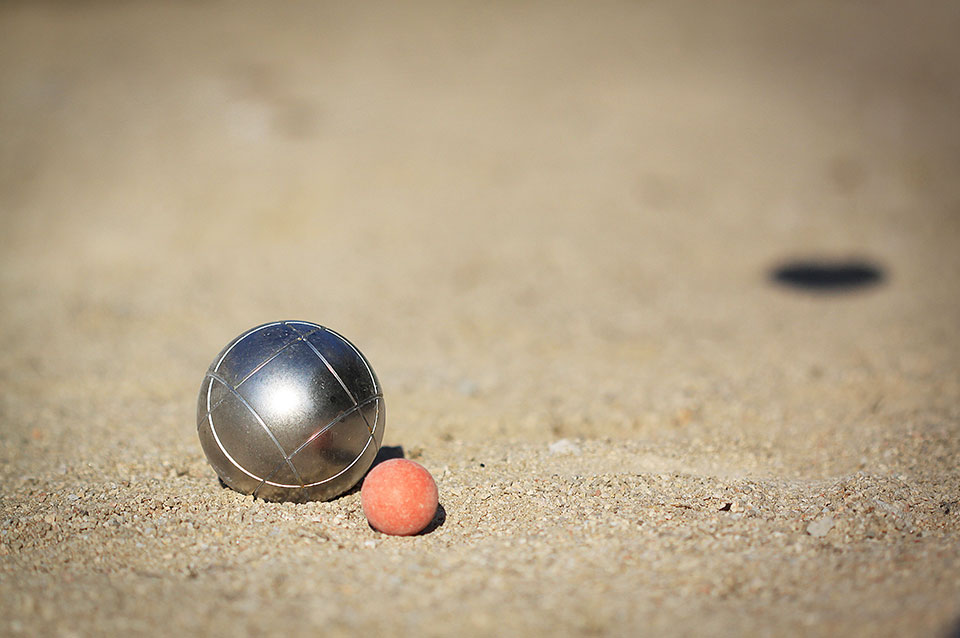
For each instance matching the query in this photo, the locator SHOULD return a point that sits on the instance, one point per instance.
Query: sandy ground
(550, 228)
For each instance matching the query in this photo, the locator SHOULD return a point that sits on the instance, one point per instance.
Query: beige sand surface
(550, 227)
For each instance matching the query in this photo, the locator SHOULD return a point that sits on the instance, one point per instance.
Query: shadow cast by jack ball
(438, 520)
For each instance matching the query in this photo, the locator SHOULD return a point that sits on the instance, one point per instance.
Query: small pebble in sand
(399, 497)
(819, 529)
(564, 446)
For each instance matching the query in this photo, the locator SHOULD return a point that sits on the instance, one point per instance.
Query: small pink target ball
(399, 497)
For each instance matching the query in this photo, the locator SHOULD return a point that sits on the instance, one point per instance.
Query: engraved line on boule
(326, 363)
(363, 359)
(260, 421)
(376, 417)
(338, 474)
(216, 438)
(373, 377)
(223, 449)
(241, 338)
(276, 354)
(376, 398)
(316, 326)
(352, 463)
(269, 476)
(339, 418)
(332, 423)
(335, 375)
(210, 410)
(254, 371)
(216, 368)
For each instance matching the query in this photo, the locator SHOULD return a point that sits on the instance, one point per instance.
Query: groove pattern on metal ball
(290, 410)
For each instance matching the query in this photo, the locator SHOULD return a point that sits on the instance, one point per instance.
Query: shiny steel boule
(290, 411)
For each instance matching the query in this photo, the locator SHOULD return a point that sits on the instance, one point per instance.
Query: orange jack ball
(399, 497)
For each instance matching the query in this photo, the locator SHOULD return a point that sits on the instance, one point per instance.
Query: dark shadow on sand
(954, 631)
(828, 276)
(386, 453)
(438, 520)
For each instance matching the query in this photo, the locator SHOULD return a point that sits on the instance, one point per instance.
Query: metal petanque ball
(290, 411)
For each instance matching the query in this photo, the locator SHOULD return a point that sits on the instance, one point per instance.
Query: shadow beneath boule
(386, 453)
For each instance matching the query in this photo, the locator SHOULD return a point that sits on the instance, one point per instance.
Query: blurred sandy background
(550, 227)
